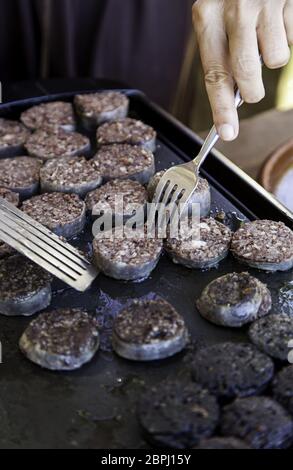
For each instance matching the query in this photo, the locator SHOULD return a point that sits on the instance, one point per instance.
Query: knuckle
(216, 76)
(204, 10)
(236, 14)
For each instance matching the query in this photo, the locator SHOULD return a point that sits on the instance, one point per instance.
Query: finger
(245, 60)
(218, 78)
(288, 20)
(272, 38)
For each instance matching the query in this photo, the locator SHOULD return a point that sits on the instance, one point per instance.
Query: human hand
(231, 35)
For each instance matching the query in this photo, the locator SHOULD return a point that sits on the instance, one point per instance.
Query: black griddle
(94, 407)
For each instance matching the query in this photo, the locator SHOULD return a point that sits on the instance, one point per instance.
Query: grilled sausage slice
(25, 288)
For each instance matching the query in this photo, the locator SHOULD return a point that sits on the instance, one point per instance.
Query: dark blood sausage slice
(63, 339)
(230, 369)
(64, 214)
(121, 197)
(69, 175)
(259, 421)
(21, 175)
(283, 388)
(206, 252)
(222, 443)
(13, 136)
(272, 334)
(177, 414)
(202, 194)
(264, 244)
(127, 131)
(25, 288)
(234, 300)
(57, 114)
(126, 257)
(149, 330)
(96, 108)
(125, 161)
(46, 144)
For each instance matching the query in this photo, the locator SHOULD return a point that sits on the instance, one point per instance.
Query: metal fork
(44, 248)
(178, 184)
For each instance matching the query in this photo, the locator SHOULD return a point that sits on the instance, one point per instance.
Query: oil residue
(284, 190)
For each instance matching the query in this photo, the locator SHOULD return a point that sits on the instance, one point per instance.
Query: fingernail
(226, 132)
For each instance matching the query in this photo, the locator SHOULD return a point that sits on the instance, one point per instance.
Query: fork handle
(213, 137)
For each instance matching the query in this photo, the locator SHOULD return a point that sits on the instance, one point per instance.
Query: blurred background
(146, 44)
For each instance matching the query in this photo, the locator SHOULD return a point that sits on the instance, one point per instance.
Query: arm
(231, 35)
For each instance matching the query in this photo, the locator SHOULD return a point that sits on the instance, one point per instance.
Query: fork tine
(162, 186)
(175, 196)
(186, 196)
(168, 194)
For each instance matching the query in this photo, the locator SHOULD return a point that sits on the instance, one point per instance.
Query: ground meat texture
(177, 415)
(126, 257)
(125, 162)
(50, 116)
(96, 108)
(70, 175)
(108, 198)
(229, 370)
(25, 288)
(212, 247)
(264, 244)
(21, 175)
(272, 334)
(46, 144)
(9, 196)
(149, 330)
(259, 421)
(222, 443)
(64, 214)
(127, 131)
(283, 388)
(234, 300)
(202, 194)
(13, 136)
(63, 339)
